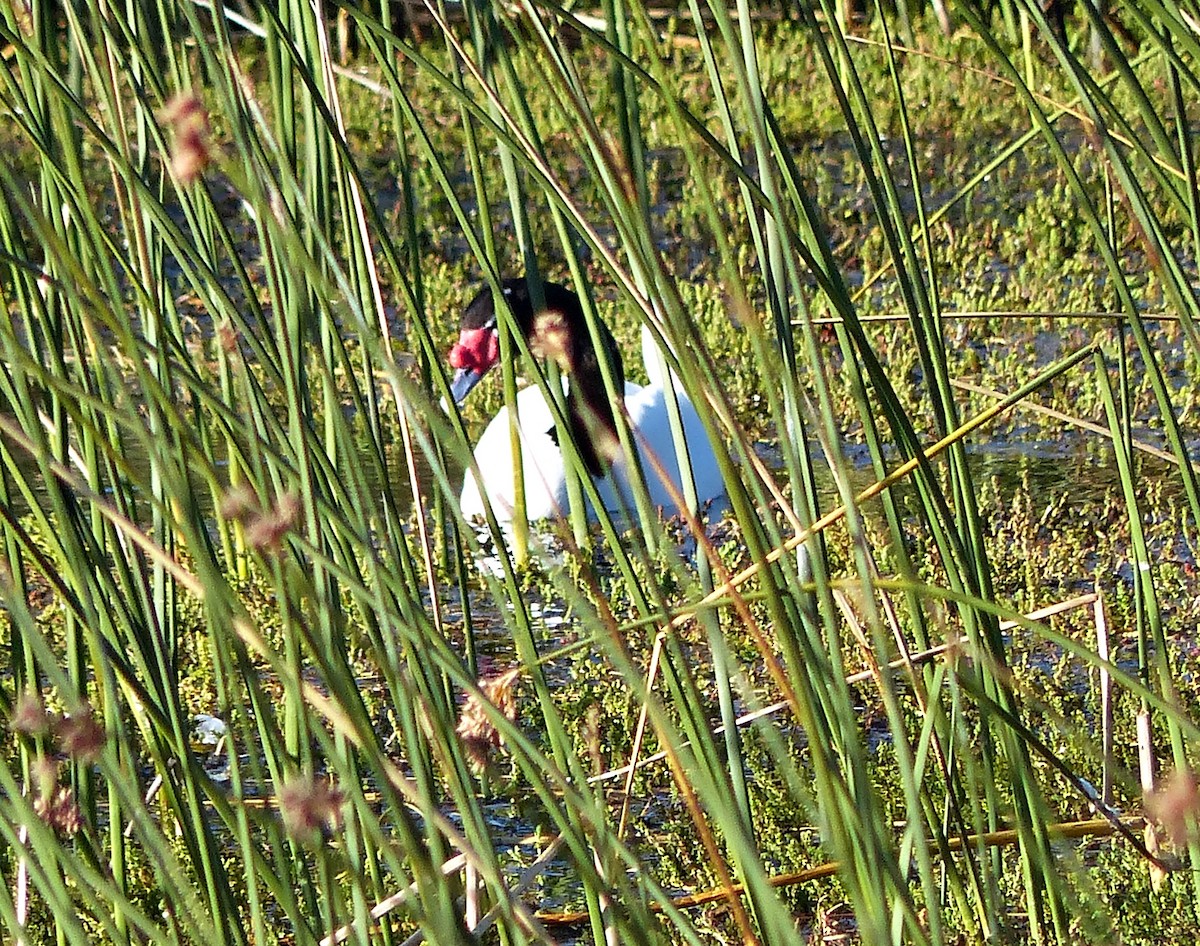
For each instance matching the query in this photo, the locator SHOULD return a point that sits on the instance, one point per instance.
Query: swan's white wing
(651, 422)
(541, 458)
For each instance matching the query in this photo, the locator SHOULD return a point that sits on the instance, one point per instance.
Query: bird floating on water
(558, 330)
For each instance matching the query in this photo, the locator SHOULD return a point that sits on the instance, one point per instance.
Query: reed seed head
(239, 503)
(58, 809)
(551, 338)
(1175, 805)
(186, 116)
(267, 530)
(479, 735)
(310, 806)
(29, 715)
(80, 736)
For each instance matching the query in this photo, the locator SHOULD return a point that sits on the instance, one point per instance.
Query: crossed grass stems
(270, 431)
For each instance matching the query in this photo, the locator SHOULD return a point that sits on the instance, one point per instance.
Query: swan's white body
(545, 478)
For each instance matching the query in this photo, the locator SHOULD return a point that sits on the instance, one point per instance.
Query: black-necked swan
(559, 330)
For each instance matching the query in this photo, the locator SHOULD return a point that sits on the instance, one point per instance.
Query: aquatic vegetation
(935, 304)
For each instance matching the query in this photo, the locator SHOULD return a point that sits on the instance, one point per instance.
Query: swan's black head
(478, 347)
(557, 330)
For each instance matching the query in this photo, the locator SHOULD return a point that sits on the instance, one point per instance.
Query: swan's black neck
(559, 330)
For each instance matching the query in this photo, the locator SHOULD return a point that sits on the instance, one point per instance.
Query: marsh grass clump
(233, 267)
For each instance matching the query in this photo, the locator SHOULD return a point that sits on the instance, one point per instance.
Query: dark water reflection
(1079, 469)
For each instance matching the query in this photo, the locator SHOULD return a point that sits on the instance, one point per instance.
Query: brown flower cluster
(77, 734)
(58, 809)
(265, 528)
(29, 716)
(185, 115)
(479, 735)
(1175, 806)
(309, 806)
